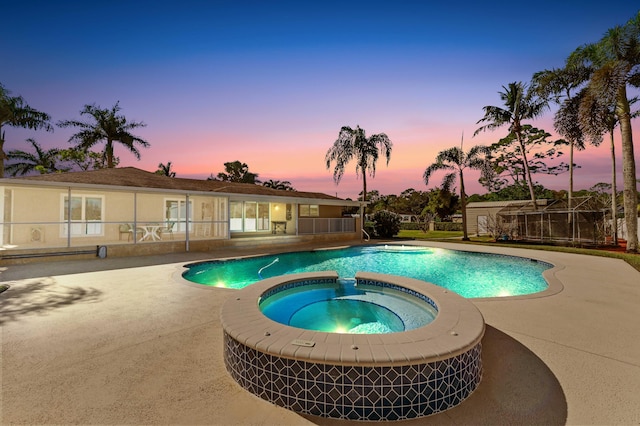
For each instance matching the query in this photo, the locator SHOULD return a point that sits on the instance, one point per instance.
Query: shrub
(387, 224)
(411, 226)
(448, 226)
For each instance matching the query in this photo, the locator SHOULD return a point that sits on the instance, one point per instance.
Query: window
(249, 216)
(235, 220)
(86, 213)
(309, 210)
(176, 211)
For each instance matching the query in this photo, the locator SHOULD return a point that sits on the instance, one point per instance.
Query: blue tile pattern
(376, 283)
(296, 284)
(355, 392)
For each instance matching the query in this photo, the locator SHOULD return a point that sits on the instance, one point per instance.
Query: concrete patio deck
(128, 341)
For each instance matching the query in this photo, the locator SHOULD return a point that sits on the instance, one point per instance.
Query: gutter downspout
(69, 218)
(135, 218)
(186, 240)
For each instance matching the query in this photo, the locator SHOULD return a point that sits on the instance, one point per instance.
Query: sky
(271, 83)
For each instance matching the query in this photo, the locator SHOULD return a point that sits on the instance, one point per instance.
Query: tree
(85, 160)
(237, 172)
(507, 159)
(457, 160)
(559, 85)
(411, 201)
(353, 144)
(15, 112)
(165, 170)
(43, 161)
(442, 203)
(520, 104)
(283, 185)
(106, 126)
(520, 191)
(615, 61)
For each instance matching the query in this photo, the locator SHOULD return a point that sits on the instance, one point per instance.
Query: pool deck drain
(136, 345)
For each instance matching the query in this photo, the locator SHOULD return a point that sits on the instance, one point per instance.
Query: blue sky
(271, 83)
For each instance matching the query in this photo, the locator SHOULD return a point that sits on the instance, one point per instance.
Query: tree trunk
(364, 190)
(463, 203)
(3, 156)
(630, 191)
(614, 191)
(109, 151)
(571, 174)
(527, 172)
(570, 200)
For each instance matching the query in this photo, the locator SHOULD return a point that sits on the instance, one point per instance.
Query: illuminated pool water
(346, 307)
(469, 274)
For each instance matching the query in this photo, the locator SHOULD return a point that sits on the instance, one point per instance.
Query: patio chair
(126, 228)
(168, 229)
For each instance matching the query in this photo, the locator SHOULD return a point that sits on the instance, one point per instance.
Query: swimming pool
(469, 274)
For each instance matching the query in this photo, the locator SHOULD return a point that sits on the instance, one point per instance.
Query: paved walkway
(128, 341)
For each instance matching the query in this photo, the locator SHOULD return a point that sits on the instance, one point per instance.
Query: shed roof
(507, 203)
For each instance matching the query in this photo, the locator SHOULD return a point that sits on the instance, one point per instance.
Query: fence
(308, 226)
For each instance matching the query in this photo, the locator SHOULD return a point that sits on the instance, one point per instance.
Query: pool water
(346, 308)
(469, 274)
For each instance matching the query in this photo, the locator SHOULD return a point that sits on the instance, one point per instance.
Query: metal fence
(308, 226)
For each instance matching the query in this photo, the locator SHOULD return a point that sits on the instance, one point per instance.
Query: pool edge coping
(458, 326)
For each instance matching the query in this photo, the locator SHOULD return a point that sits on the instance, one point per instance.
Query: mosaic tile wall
(355, 392)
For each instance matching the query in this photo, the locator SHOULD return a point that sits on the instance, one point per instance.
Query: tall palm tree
(354, 144)
(559, 85)
(595, 119)
(165, 170)
(456, 160)
(108, 127)
(519, 104)
(43, 161)
(15, 112)
(615, 60)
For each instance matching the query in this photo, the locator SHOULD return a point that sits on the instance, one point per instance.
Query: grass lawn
(455, 237)
(430, 235)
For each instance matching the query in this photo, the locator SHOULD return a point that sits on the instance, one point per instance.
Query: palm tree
(22, 162)
(595, 119)
(457, 160)
(353, 144)
(558, 84)
(108, 127)
(283, 185)
(14, 112)
(165, 170)
(615, 60)
(520, 104)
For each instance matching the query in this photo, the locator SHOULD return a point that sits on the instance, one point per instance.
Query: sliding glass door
(249, 216)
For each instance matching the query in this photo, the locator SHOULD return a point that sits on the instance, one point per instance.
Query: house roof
(132, 177)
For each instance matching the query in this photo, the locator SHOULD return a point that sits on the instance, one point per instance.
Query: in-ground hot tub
(392, 376)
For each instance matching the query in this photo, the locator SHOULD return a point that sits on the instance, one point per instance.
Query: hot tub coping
(458, 326)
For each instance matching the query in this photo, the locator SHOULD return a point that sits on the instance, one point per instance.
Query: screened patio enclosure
(585, 222)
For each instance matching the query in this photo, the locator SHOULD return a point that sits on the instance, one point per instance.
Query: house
(131, 211)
